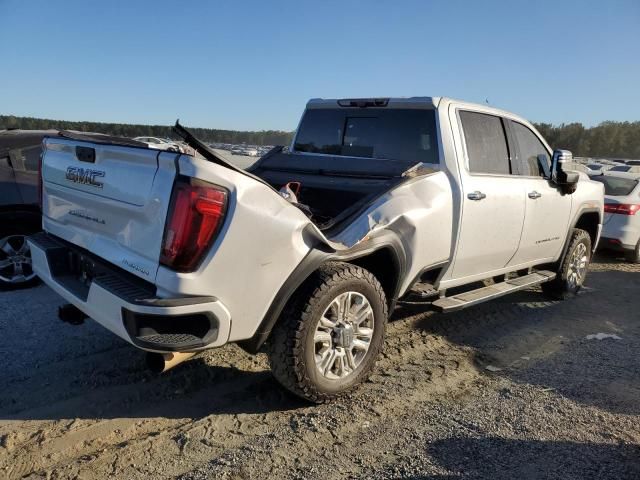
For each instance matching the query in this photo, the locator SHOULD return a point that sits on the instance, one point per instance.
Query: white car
(594, 168)
(159, 143)
(378, 202)
(251, 152)
(621, 227)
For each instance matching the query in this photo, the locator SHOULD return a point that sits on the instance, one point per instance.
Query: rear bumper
(124, 305)
(620, 235)
(614, 244)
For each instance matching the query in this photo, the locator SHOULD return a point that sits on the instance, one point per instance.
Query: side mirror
(566, 179)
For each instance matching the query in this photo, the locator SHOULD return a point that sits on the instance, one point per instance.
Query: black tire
(634, 255)
(292, 348)
(565, 285)
(14, 234)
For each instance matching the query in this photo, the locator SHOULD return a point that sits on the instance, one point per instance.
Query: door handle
(476, 195)
(534, 195)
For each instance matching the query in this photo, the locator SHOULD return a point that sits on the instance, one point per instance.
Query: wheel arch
(19, 214)
(587, 219)
(383, 256)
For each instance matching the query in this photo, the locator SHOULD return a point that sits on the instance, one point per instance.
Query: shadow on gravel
(194, 390)
(498, 458)
(536, 341)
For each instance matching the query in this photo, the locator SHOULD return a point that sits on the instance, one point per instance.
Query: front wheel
(573, 268)
(330, 334)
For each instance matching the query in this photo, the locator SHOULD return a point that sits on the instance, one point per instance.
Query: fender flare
(576, 218)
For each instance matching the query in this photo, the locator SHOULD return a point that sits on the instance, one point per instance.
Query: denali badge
(85, 176)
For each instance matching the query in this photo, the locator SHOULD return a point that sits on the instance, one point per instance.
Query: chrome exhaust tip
(161, 362)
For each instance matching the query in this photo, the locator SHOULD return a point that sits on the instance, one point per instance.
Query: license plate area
(74, 270)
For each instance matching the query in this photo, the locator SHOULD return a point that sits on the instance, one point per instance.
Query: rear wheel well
(384, 265)
(20, 219)
(589, 222)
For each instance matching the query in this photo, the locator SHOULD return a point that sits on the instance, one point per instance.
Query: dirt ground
(507, 389)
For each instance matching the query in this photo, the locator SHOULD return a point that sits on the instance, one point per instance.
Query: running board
(467, 299)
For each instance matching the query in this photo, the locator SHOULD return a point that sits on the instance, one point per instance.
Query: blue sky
(254, 64)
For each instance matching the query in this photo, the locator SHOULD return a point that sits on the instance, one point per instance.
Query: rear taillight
(621, 208)
(196, 214)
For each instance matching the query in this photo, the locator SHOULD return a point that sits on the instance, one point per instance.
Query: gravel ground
(508, 389)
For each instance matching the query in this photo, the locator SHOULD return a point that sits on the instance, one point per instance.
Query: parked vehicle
(19, 204)
(159, 143)
(595, 168)
(415, 201)
(621, 226)
(625, 168)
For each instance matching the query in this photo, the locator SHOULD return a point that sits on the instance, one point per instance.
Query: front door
(547, 209)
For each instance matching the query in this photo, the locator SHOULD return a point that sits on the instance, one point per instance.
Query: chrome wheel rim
(15, 260)
(578, 263)
(343, 335)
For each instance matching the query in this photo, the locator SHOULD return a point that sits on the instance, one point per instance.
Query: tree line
(608, 139)
(264, 137)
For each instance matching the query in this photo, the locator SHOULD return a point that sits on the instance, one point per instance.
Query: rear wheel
(573, 268)
(330, 335)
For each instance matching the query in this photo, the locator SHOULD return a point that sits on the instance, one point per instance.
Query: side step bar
(467, 299)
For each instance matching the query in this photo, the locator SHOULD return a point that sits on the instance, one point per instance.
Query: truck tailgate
(109, 199)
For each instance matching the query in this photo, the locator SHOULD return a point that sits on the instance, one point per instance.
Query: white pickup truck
(385, 201)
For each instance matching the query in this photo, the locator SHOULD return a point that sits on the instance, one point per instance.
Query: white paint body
(264, 237)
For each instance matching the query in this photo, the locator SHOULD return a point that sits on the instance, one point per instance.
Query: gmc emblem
(85, 176)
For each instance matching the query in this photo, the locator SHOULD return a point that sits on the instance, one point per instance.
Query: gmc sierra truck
(377, 203)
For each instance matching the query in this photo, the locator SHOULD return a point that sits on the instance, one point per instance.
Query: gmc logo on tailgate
(85, 176)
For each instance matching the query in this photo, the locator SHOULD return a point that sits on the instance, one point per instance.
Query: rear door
(109, 199)
(493, 203)
(547, 210)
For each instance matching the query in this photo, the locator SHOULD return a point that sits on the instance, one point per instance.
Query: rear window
(620, 168)
(486, 143)
(395, 134)
(617, 186)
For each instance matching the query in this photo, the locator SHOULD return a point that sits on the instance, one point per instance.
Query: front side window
(529, 147)
(486, 143)
(394, 134)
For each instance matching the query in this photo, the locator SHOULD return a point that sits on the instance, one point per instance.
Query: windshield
(396, 134)
(617, 186)
(620, 169)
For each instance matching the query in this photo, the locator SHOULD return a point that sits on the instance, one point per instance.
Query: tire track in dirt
(97, 412)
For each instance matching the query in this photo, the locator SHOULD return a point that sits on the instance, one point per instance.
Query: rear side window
(529, 147)
(395, 134)
(486, 143)
(617, 186)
